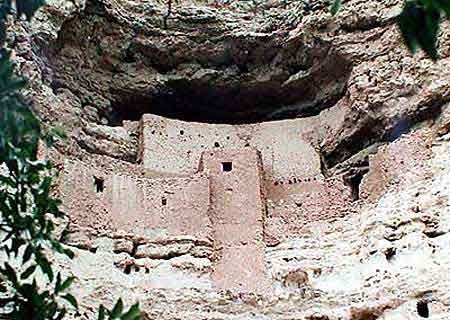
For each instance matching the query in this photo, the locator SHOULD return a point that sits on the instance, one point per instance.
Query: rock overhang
(212, 71)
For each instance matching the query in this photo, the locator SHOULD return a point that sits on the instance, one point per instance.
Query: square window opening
(227, 166)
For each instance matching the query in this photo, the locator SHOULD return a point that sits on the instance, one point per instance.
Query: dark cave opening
(250, 95)
(227, 106)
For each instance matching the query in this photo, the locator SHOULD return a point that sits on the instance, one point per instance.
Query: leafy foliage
(118, 313)
(335, 6)
(418, 23)
(26, 205)
(27, 208)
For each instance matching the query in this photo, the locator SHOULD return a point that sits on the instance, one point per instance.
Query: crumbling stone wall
(391, 166)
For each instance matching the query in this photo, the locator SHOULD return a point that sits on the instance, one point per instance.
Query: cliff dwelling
(244, 160)
(232, 187)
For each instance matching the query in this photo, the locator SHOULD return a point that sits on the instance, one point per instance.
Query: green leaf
(71, 299)
(428, 37)
(101, 313)
(133, 314)
(7, 181)
(335, 6)
(10, 273)
(66, 284)
(443, 5)
(62, 314)
(407, 23)
(45, 266)
(52, 309)
(58, 283)
(69, 253)
(117, 310)
(419, 26)
(27, 273)
(16, 243)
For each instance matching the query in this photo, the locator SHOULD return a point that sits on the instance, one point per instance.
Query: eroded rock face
(215, 68)
(375, 124)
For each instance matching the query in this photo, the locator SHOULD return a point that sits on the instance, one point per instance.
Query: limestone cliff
(341, 134)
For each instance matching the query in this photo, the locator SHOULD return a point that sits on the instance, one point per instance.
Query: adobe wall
(175, 147)
(296, 189)
(139, 206)
(237, 214)
(391, 165)
(291, 209)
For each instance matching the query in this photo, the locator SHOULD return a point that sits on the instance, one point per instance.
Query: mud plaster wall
(295, 187)
(225, 202)
(175, 147)
(237, 213)
(148, 207)
(391, 165)
(311, 200)
(243, 186)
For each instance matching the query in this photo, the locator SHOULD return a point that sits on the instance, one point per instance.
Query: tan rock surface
(345, 215)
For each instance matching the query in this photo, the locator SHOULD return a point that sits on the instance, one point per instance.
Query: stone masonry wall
(175, 147)
(237, 214)
(140, 206)
(295, 187)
